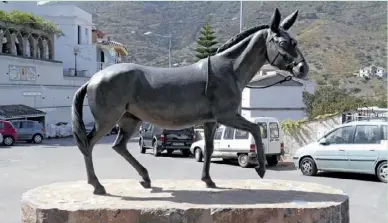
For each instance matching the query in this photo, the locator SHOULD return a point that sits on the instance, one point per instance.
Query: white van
(230, 143)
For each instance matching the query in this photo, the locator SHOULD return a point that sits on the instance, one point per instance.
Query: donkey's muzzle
(301, 70)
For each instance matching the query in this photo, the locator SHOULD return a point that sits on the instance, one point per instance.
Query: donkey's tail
(79, 130)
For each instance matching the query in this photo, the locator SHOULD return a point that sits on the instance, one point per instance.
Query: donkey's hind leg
(209, 130)
(99, 130)
(128, 124)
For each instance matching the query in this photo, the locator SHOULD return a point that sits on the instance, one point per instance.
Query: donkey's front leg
(209, 130)
(239, 122)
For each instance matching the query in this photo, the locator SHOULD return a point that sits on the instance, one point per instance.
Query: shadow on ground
(281, 166)
(237, 196)
(348, 176)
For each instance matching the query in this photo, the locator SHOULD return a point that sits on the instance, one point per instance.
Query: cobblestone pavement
(25, 166)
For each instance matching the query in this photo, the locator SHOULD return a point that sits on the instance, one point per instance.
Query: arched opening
(19, 44)
(6, 46)
(50, 50)
(40, 48)
(30, 46)
(45, 49)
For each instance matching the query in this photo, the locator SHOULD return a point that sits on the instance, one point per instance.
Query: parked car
(10, 134)
(1, 138)
(158, 139)
(89, 126)
(29, 130)
(230, 143)
(358, 147)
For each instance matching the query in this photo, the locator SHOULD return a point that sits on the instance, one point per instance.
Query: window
(229, 132)
(241, 134)
(367, 134)
(79, 34)
(263, 129)
(29, 125)
(218, 134)
(149, 127)
(16, 124)
(384, 131)
(341, 135)
(273, 130)
(1, 125)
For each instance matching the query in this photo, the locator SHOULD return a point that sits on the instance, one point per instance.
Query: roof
(113, 44)
(268, 79)
(19, 111)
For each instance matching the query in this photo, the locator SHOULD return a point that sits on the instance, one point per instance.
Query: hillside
(338, 38)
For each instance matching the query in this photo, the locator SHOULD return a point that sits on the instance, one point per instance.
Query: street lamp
(75, 51)
(169, 45)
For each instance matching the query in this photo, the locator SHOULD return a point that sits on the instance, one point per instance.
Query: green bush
(27, 19)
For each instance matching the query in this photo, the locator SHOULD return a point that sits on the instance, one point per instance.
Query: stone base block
(186, 201)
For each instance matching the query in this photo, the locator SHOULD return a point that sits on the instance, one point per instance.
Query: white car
(230, 143)
(359, 147)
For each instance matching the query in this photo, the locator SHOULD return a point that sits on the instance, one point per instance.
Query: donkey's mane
(240, 36)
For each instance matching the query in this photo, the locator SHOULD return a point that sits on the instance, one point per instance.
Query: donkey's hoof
(260, 171)
(146, 184)
(209, 183)
(99, 190)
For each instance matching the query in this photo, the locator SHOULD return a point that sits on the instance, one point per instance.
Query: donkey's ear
(275, 20)
(289, 21)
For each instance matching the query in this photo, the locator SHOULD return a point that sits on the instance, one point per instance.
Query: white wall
(47, 72)
(277, 97)
(48, 81)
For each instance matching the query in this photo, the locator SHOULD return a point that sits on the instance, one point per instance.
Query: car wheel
(155, 149)
(198, 154)
(141, 145)
(185, 152)
(272, 161)
(8, 141)
(382, 172)
(308, 167)
(37, 138)
(243, 160)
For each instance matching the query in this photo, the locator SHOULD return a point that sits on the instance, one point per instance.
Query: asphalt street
(25, 166)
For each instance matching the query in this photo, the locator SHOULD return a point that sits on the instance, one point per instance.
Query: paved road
(24, 167)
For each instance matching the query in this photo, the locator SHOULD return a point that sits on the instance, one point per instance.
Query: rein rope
(288, 78)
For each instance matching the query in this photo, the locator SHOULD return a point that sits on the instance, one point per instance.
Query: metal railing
(102, 65)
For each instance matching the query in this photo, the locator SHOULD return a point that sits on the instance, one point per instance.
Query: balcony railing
(102, 65)
(71, 73)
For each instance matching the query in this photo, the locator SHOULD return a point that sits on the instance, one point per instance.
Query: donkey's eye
(283, 44)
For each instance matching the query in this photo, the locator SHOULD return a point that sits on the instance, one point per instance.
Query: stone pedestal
(186, 201)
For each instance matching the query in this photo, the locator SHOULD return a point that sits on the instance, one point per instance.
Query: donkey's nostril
(301, 69)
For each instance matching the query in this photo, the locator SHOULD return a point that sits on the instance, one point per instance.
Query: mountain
(337, 38)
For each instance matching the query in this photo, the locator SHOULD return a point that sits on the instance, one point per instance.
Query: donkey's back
(168, 97)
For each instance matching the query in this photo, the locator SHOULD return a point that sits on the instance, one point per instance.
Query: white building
(372, 71)
(40, 76)
(282, 101)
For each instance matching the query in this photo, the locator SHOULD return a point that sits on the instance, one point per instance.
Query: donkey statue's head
(282, 49)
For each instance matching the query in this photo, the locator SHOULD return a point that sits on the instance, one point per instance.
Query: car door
(364, 151)
(263, 124)
(19, 128)
(147, 135)
(274, 138)
(217, 141)
(333, 155)
(225, 143)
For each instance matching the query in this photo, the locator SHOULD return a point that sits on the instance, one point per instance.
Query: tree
(206, 43)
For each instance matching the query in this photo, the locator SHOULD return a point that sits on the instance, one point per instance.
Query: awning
(19, 111)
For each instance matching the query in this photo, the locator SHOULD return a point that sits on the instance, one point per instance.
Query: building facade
(35, 66)
(283, 101)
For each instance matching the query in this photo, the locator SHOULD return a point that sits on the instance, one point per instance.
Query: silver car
(29, 130)
(358, 147)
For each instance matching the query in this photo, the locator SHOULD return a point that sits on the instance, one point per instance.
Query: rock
(186, 201)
